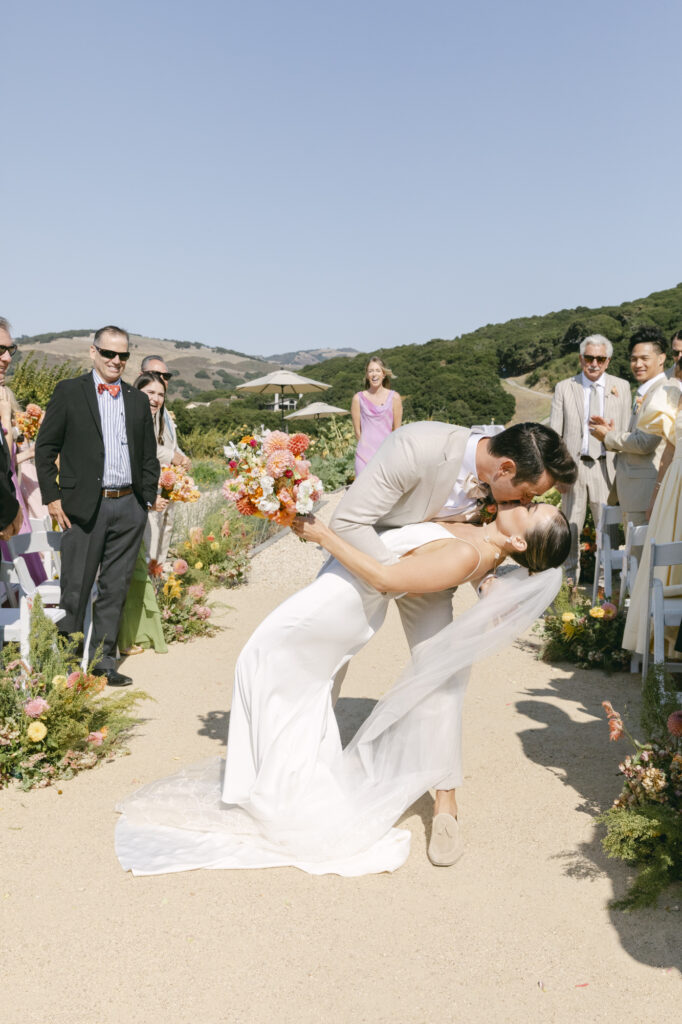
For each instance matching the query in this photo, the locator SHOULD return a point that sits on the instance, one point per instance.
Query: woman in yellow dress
(664, 418)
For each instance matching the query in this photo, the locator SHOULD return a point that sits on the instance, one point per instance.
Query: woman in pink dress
(376, 411)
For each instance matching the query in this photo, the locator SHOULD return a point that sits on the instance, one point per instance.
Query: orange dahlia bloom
(298, 443)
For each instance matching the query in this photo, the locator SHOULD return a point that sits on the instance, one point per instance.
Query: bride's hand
(309, 528)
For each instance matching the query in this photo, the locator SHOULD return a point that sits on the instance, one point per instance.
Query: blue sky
(270, 176)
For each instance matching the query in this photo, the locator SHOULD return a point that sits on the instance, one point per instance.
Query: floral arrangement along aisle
(589, 635)
(270, 478)
(53, 720)
(644, 826)
(176, 485)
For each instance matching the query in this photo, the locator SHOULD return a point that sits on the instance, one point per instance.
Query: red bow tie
(113, 389)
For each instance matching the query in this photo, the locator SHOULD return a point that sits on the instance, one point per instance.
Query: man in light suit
(593, 391)
(675, 352)
(638, 453)
(427, 471)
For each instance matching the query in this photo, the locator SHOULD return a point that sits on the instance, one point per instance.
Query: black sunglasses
(161, 374)
(108, 354)
(596, 359)
(10, 349)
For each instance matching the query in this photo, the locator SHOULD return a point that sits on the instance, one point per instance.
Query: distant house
(287, 402)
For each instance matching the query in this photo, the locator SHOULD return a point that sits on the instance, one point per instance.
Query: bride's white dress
(287, 794)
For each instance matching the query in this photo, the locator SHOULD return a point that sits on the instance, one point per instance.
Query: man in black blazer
(102, 489)
(10, 513)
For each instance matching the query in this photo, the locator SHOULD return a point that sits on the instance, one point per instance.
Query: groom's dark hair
(534, 448)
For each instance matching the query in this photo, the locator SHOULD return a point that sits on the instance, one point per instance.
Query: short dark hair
(677, 336)
(534, 448)
(110, 329)
(648, 335)
(547, 546)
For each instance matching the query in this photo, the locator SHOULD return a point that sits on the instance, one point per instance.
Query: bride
(287, 794)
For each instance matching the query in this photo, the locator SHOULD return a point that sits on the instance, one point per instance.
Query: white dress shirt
(459, 502)
(587, 394)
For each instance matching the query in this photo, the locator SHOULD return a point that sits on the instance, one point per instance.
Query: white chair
(15, 623)
(9, 585)
(635, 536)
(606, 557)
(37, 542)
(665, 606)
(51, 558)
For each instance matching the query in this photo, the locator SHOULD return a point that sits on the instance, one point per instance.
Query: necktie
(113, 389)
(594, 446)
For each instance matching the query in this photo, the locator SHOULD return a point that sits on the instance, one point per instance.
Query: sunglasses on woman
(10, 349)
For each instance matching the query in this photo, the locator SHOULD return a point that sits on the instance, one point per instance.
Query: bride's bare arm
(445, 567)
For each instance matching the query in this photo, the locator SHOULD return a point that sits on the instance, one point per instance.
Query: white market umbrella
(283, 381)
(318, 410)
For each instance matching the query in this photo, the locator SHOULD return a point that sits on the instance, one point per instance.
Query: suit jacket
(407, 481)
(9, 506)
(72, 430)
(637, 460)
(567, 412)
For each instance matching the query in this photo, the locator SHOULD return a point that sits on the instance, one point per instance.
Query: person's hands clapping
(310, 528)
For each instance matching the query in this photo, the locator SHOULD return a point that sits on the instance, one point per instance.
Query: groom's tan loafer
(446, 846)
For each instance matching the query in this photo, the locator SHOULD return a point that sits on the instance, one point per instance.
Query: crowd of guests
(626, 451)
(101, 485)
(94, 471)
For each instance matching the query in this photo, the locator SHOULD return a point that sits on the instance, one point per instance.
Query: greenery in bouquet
(590, 635)
(644, 825)
(54, 721)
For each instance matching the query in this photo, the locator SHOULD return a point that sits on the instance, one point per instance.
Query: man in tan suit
(426, 471)
(638, 453)
(592, 392)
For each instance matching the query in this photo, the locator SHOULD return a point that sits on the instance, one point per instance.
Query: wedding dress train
(287, 794)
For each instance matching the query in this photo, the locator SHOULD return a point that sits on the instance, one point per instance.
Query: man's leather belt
(116, 492)
(588, 458)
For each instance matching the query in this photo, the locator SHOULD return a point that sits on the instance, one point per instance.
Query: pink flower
(96, 738)
(674, 723)
(202, 612)
(196, 535)
(233, 463)
(74, 678)
(196, 591)
(180, 567)
(253, 443)
(167, 480)
(36, 707)
(225, 529)
(610, 610)
(275, 440)
(279, 462)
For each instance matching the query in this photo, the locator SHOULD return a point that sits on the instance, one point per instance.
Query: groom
(435, 471)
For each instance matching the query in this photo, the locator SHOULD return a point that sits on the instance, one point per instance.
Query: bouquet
(270, 478)
(28, 422)
(176, 485)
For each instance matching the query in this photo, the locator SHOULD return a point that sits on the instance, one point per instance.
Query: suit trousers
(109, 544)
(591, 486)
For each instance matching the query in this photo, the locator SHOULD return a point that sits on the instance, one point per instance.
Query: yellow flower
(568, 617)
(215, 545)
(568, 629)
(187, 546)
(36, 732)
(597, 613)
(198, 565)
(59, 682)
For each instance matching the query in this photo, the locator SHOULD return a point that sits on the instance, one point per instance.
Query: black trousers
(110, 544)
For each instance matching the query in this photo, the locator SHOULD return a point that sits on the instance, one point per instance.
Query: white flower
(267, 485)
(266, 504)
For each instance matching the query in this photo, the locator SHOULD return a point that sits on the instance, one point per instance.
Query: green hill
(458, 380)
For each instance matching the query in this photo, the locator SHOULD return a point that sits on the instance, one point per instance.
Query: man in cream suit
(638, 453)
(426, 471)
(592, 392)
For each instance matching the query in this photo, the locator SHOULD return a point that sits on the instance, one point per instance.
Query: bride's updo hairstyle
(547, 545)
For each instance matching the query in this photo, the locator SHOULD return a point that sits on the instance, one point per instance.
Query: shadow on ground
(580, 754)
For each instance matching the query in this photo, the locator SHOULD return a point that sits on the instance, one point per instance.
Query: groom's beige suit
(408, 481)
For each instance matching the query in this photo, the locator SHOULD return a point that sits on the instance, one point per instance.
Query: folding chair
(635, 536)
(664, 606)
(606, 557)
(35, 543)
(51, 558)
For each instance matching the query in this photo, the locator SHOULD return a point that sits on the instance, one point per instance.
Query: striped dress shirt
(117, 471)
